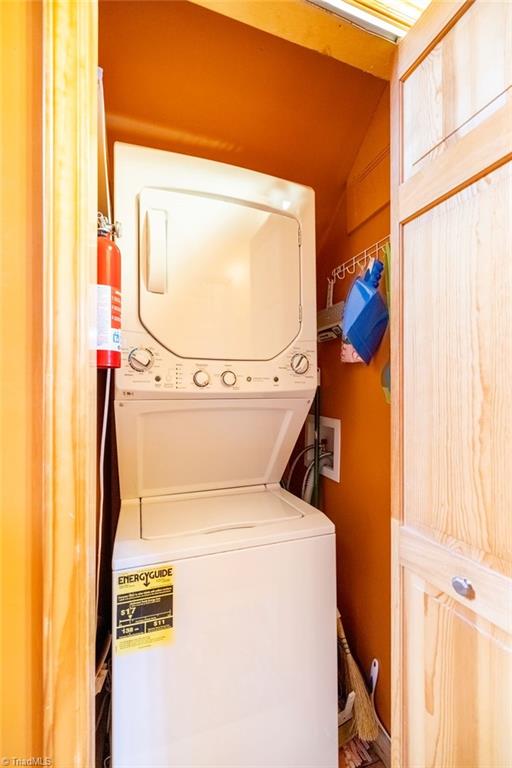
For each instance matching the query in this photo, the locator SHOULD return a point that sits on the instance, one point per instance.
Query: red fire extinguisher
(108, 347)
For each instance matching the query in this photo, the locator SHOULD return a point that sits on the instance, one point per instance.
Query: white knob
(300, 363)
(140, 359)
(228, 378)
(201, 379)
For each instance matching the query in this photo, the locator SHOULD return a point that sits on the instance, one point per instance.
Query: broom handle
(342, 638)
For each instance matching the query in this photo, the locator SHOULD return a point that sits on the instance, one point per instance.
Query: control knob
(201, 378)
(300, 363)
(228, 378)
(140, 359)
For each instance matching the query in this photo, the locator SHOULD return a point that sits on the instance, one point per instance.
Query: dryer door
(219, 278)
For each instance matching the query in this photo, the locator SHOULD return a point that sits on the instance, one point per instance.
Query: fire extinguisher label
(109, 318)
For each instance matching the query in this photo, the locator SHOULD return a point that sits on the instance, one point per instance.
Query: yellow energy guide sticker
(144, 607)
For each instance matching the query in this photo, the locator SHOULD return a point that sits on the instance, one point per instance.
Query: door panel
(463, 80)
(488, 143)
(458, 678)
(458, 346)
(452, 396)
(441, 562)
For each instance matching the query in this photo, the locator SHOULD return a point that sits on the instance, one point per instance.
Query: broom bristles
(364, 715)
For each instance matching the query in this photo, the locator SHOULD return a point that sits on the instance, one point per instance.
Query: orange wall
(360, 503)
(180, 77)
(20, 396)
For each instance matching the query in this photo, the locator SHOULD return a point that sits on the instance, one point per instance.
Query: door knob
(463, 587)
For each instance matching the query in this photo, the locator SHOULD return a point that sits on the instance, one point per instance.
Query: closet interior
(180, 77)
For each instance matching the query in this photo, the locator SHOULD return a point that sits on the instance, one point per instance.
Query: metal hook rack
(349, 267)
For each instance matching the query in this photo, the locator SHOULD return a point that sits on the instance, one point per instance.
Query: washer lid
(262, 519)
(174, 516)
(169, 447)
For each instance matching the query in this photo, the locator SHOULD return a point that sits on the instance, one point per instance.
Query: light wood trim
(69, 378)
(437, 19)
(397, 635)
(437, 565)
(486, 147)
(312, 27)
(396, 320)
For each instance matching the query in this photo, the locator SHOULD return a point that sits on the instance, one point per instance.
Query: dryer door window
(218, 278)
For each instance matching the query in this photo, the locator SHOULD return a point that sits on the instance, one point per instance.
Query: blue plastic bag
(365, 318)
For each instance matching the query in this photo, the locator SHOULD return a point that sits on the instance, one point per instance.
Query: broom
(364, 716)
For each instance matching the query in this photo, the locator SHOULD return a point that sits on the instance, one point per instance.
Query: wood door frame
(70, 33)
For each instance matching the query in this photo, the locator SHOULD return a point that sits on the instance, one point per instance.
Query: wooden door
(68, 382)
(452, 389)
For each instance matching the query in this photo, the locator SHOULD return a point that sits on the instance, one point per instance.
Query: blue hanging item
(365, 318)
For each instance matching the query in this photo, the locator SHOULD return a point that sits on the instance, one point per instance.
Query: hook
(360, 260)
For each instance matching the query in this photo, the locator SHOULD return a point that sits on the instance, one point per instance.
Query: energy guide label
(144, 608)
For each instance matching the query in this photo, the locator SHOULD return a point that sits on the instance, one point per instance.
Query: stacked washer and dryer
(224, 606)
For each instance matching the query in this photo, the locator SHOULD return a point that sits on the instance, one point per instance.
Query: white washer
(224, 649)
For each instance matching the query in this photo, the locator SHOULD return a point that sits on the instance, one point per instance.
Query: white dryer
(224, 606)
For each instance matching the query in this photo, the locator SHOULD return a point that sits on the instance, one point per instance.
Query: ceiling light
(363, 19)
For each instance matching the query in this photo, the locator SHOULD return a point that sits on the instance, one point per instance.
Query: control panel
(149, 370)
